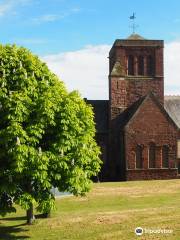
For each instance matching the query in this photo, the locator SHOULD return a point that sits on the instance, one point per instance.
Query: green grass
(109, 211)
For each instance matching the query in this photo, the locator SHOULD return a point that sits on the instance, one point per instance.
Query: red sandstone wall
(124, 91)
(150, 125)
(148, 174)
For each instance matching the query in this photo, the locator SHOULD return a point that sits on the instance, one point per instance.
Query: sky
(74, 36)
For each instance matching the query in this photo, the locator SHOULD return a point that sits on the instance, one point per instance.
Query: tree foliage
(46, 134)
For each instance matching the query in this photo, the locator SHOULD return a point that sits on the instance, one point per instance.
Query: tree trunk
(30, 215)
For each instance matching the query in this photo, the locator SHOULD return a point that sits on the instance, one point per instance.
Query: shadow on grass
(13, 218)
(41, 215)
(7, 232)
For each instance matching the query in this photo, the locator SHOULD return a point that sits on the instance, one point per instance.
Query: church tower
(137, 136)
(135, 68)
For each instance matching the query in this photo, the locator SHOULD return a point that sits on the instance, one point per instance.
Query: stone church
(138, 128)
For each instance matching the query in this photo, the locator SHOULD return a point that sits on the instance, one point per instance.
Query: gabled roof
(172, 106)
(128, 113)
(125, 117)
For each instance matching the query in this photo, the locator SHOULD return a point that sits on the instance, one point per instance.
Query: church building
(138, 128)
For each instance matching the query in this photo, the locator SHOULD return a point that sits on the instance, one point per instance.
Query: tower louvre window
(150, 65)
(130, 65)
(140, 65)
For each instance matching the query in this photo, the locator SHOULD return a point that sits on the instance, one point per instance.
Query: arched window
(130, 65)
(140, 65)
(150, 66)
(165, 156)
(152, 155)
(139, 157)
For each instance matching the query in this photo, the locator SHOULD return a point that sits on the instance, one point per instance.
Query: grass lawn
(109, 211)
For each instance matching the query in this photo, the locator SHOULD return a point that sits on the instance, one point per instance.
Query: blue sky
(61, 31)
(50, 26)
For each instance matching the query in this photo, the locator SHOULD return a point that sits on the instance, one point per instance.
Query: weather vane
(133, 26)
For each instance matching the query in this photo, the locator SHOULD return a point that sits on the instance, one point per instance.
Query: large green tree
(46, 135)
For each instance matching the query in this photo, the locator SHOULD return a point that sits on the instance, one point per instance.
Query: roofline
(99, 100)
(137, 43)
(152, 96)
(139, 40)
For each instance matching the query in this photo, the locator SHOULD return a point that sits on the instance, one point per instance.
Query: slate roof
(171, 111)
(172, 106)
(100, 108)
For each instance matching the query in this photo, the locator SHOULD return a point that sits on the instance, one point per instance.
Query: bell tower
(135, 68)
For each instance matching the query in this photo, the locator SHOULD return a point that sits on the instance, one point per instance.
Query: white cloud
(8, 6)
(54, 17)
(172, 68)
(46, 18)
(87, 69)
(75, 10)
